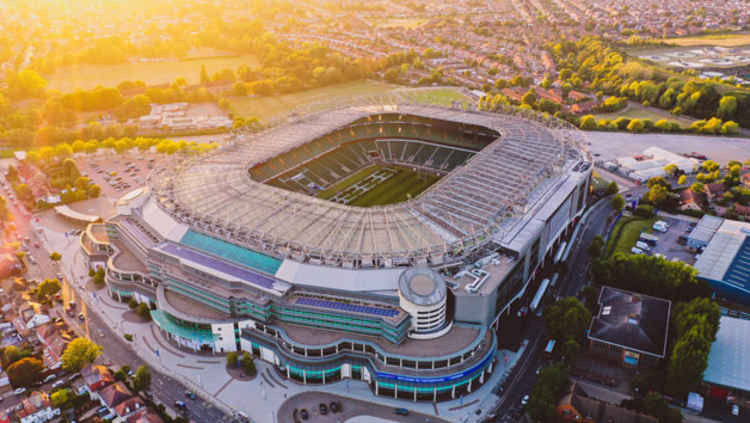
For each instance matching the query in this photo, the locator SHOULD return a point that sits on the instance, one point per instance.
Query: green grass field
(403, 185)
(635, 110)
(89, 76)
(630, 231)
(436, 96)
(347, 182)
(723, 40)
(267, 108)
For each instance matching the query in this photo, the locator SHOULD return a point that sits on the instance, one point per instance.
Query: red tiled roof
(115, 394)
(129, 406)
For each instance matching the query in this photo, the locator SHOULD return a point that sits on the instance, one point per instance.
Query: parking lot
(118, 174)
(310, 402)
(669, 242)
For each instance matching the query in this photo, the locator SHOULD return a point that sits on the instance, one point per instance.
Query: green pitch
(379, 185)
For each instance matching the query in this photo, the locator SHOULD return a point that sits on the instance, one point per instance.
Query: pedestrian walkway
(209, 379)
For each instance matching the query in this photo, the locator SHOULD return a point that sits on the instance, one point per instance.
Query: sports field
(722, 40)
(379, 185)
(268, 108)
(89, 76)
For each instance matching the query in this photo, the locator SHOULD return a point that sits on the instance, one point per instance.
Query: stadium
(380, 241)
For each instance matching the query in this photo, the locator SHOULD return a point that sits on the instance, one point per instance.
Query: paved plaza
(208, 377)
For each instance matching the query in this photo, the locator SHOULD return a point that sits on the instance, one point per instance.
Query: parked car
(81, 317)
(19, 391)
(525, 400)
(401, 411)
(642, 245)
(335, 406)
(323, 408)
(50, 378)
(636, 250)
(190, 394)
(304, 414)
(523, 311)
(180, 404)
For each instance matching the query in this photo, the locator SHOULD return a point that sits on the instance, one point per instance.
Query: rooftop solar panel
(346, 307)
(221, 266)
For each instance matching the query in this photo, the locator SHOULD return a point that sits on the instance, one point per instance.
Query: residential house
(129, 407)
(54, 345)
(114, 395)
(96, 377)
(715, 191)
(629, 328)
(37, 408)
(145, 416)
(742, 210)
(577, 406)
(688, 200)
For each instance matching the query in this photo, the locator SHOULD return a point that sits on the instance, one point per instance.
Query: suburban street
(523, 377)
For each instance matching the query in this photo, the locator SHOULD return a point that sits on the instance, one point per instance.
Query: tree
(727, 107)
(99, 276)
(132, 303)
(617, 202)
(55, 256)
(232, 358)
(651, 275)
(25, 372)
(529, 98)
(247, 363)
(698, 188)
(204, 76)
(144, 311)
(682, 179)
(60, 398)
(671, 170)
(688, 361)
(567, 319)
(13, 354)
(549, 387)
(612, 188)
(730, 127)
(47, 288)
(657, 195)
(596, 246)
(653, 404)
(79, 353)
(142, 379)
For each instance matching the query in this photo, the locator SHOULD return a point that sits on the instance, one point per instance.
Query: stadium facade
(233, 251)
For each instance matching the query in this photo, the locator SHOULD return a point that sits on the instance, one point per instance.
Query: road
(115, 349)
(521, 381)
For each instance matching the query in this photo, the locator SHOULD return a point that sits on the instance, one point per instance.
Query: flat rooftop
(726, 258)
(729, 358)
(125, 260)
(193, 307)
(632, 321)
(458, 338)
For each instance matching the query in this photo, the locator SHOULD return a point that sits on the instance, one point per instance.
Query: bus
(550, 347)
(539, 294)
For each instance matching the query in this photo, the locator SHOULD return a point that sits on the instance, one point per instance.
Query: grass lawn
(265, 108)
(404, 185)
(635, 110)
(347, 182)
(89, 76)
(436, 96)
(723, 40)
(630, 232)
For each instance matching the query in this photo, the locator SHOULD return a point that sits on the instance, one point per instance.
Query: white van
(642, 245)
(660, 226)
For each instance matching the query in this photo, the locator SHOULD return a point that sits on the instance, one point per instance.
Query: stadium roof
(726, 258)
(729, 359)
(631, 321)
(215, 194)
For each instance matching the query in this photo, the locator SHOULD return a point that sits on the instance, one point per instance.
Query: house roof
(146, 417)
(128, 406)
(115, 394)
(631, 321)
(600, 411)
(34, 403)
(94, 374)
